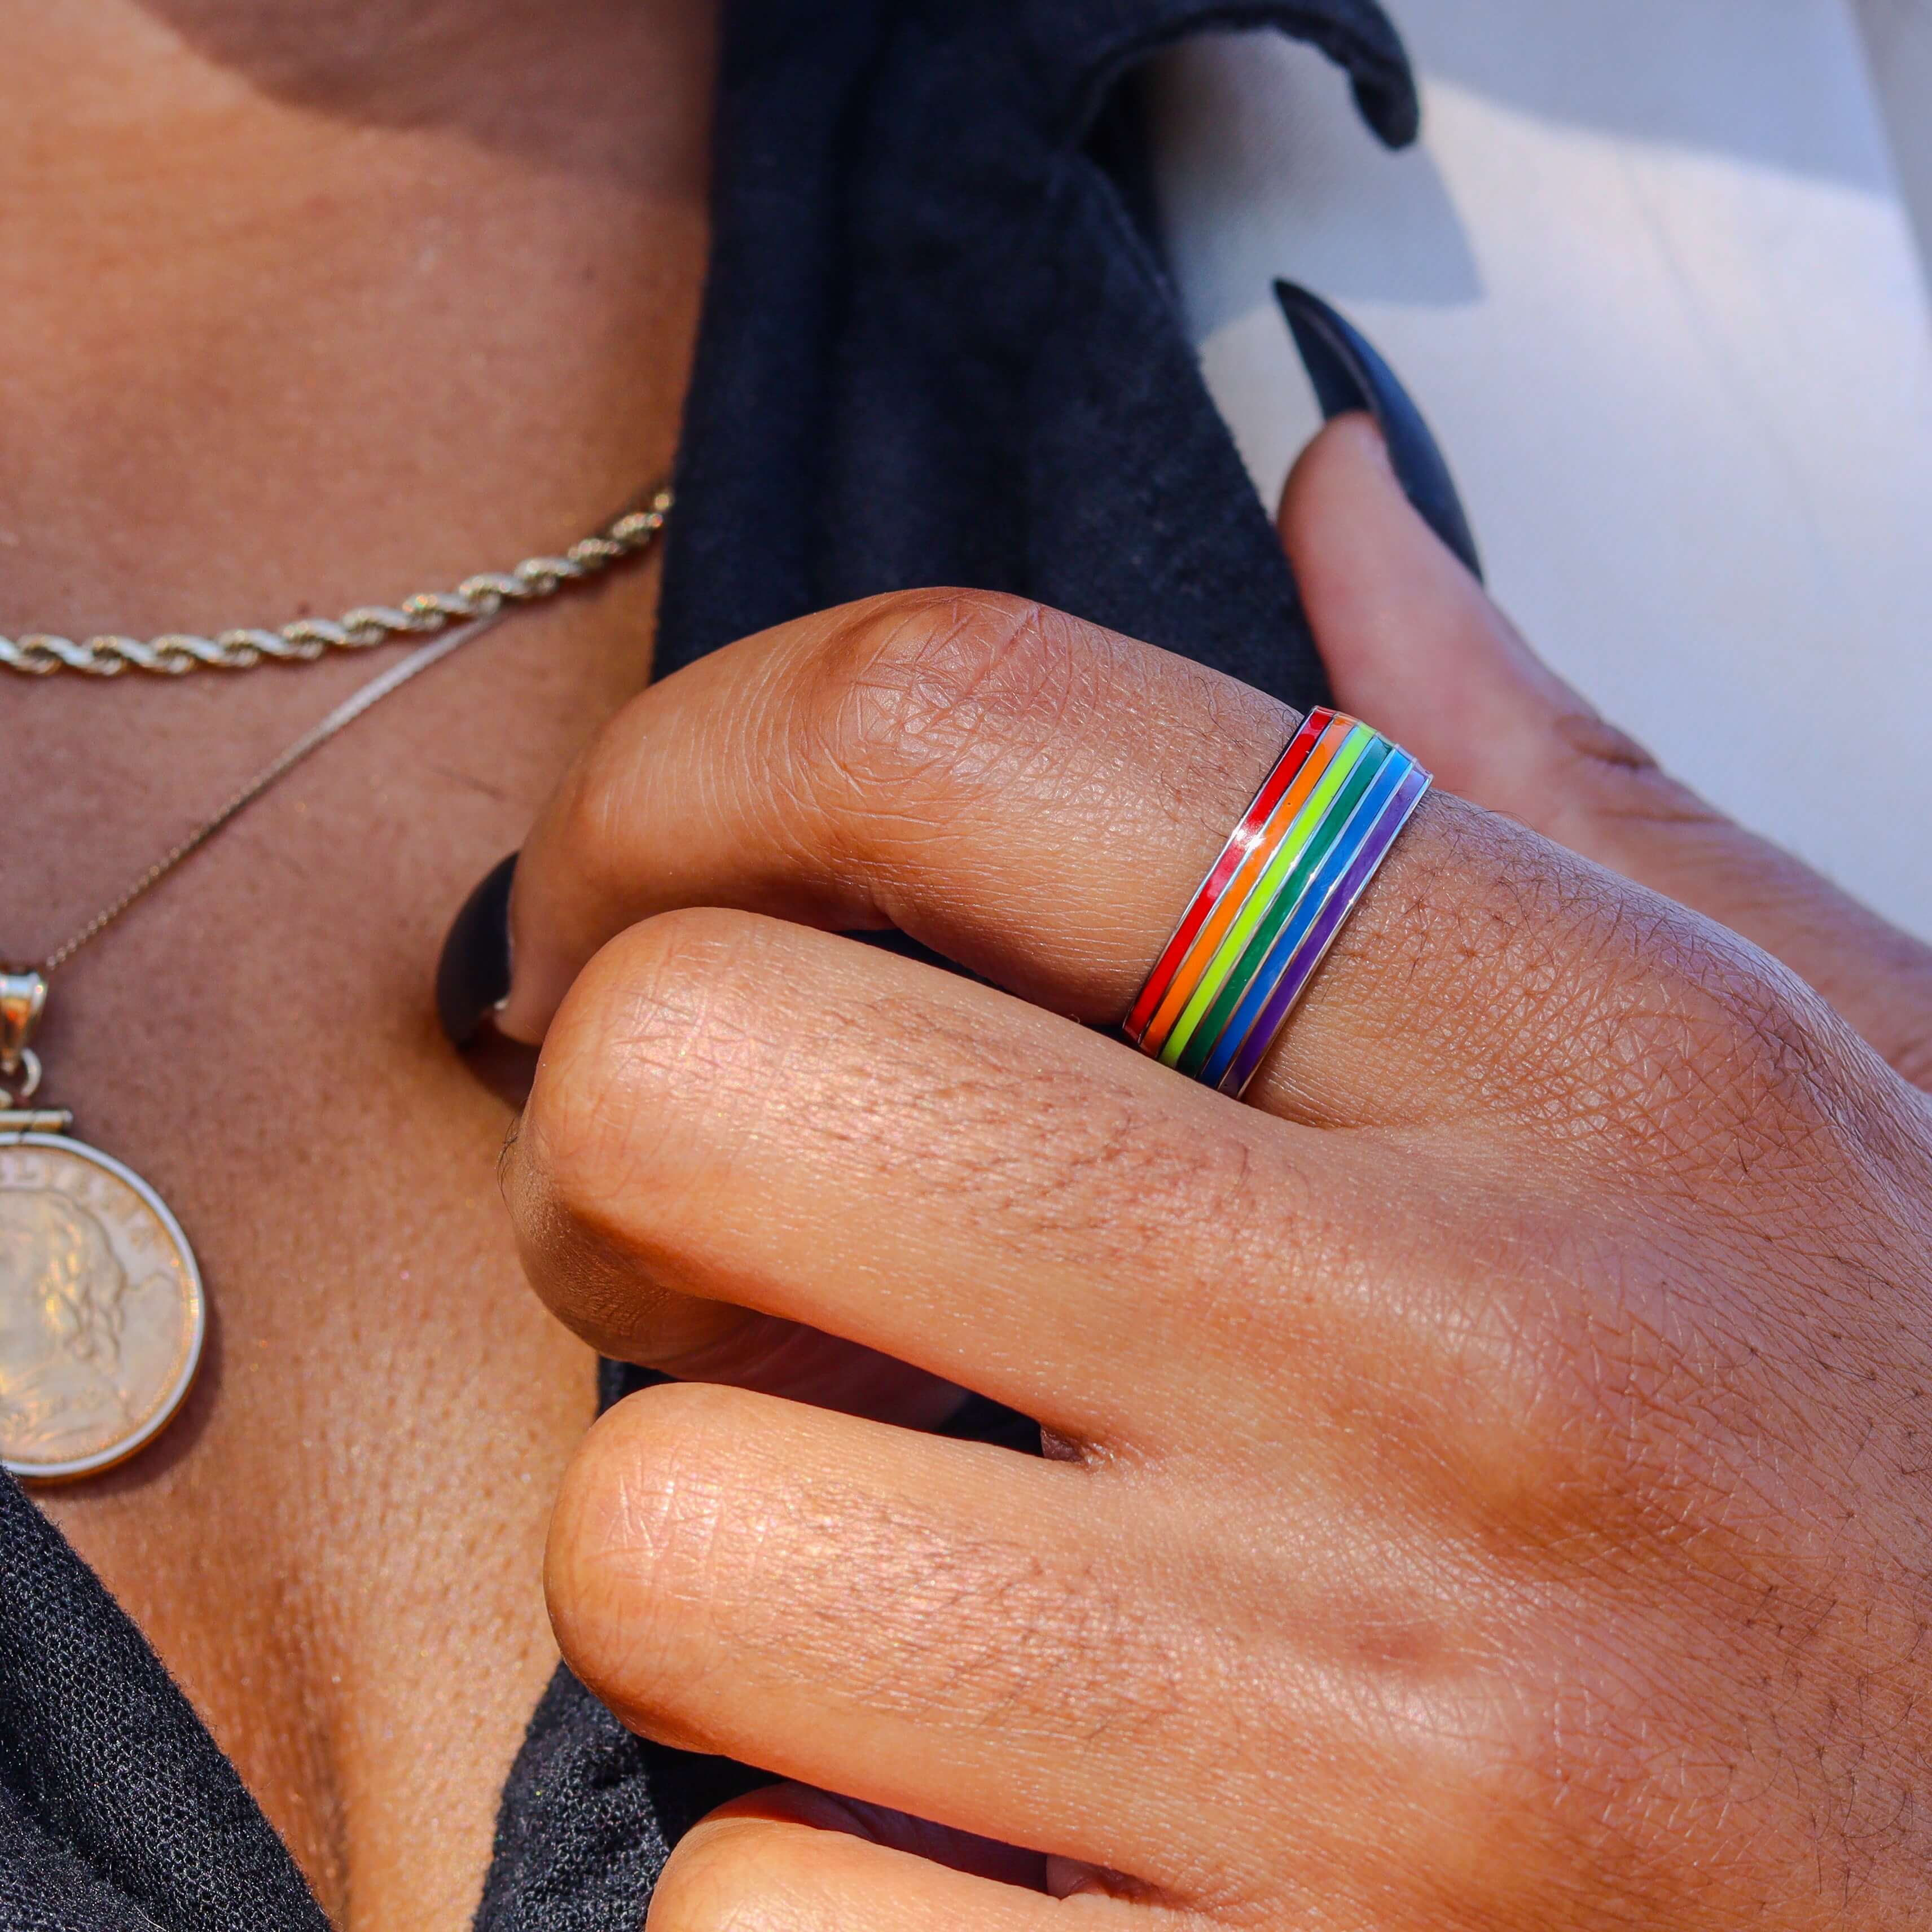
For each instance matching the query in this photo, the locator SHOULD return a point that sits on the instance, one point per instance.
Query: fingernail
(1348, 374)
(472, 977)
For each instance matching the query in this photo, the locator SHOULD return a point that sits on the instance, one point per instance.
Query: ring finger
(1038, 799)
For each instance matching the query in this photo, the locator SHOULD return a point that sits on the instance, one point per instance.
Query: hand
(1486, 1486)
(1412, 643)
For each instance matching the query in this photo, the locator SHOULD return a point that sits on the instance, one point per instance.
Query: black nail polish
(473, 974)
(1348, 374)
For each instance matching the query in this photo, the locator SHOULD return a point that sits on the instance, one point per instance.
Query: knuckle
(1716, 1056)
(642, 1028)
(641, 1063)
(920, 695)
(588, 816)
(944, 714)
(642, 1528)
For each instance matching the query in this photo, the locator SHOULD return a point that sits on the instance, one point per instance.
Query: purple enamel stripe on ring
(1269, 1022)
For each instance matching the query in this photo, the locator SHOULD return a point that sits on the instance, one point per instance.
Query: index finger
(1038, 799)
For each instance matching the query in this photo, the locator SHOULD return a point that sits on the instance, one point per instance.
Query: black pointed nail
(473, 974)
(1348, 374)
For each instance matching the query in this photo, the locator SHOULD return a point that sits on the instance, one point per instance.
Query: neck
(261, 254)
(314, 303)
(508, 73)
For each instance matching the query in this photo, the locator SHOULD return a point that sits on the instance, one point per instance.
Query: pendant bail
(23, 998)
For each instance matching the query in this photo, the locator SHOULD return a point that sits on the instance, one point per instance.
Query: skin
(1485, 1478)
(310, 304)
(342, 1536)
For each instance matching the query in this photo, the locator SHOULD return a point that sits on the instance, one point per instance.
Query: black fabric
(117, 1810)
(936, 347)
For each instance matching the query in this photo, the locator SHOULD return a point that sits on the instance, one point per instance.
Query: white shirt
(1651, 276)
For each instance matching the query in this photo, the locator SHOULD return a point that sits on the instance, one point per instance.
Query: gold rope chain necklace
(102, 1308)
(40, 654)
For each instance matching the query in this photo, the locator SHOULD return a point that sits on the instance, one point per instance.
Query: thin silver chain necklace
(102, 1308)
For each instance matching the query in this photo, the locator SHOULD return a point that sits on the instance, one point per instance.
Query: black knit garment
(938, 346)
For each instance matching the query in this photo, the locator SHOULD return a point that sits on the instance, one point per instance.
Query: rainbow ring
(1264, 917)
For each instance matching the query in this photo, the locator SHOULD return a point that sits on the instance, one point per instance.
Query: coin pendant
(101, 1309)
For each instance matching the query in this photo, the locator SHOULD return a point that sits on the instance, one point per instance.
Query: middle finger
(735, 1113)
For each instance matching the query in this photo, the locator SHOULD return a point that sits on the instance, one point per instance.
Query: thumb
(1411, 640)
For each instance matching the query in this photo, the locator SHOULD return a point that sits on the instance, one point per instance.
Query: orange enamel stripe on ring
(1245, 837)
(1200, 955)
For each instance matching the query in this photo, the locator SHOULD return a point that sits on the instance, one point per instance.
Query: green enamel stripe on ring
(1307, 825)
(1277, 915)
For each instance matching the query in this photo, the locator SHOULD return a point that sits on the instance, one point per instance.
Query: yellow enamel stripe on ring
(1307, 823)
(1202, 947)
